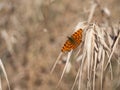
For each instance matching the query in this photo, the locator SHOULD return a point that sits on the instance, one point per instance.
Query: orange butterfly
(73, 41)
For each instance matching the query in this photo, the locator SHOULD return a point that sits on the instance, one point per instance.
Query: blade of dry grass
(58, 58)
(93, 7)
(68, 67)
(8, 40)
(94, 71)
(79, 58)
(67, 62)
(76, 79)
(102, 67)
(89, 45)
(112, 51)
(81, 68)
(0, 84)
(100, 52)
(78, 53)
(3, 69)
(111, 71)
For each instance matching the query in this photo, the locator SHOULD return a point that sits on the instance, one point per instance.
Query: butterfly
(73, 41)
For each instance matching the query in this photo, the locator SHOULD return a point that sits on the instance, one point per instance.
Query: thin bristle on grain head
(77, 76)
(5, 74)
(66, 65)
(58, 58)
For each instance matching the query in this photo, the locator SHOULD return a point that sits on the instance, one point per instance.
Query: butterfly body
(73, 41)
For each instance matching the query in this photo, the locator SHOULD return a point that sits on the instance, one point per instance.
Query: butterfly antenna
(56, 62)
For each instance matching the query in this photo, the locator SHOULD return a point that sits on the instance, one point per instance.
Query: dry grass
(96, 53)
(5, 74)
(31, 35)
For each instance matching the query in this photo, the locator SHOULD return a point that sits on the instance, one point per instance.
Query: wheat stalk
(94, 49)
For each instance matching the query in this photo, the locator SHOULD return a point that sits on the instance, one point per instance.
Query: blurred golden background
(31, 35)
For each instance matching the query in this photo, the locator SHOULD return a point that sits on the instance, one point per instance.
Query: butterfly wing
(74, 43)
(67, 46)
(77, 36)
